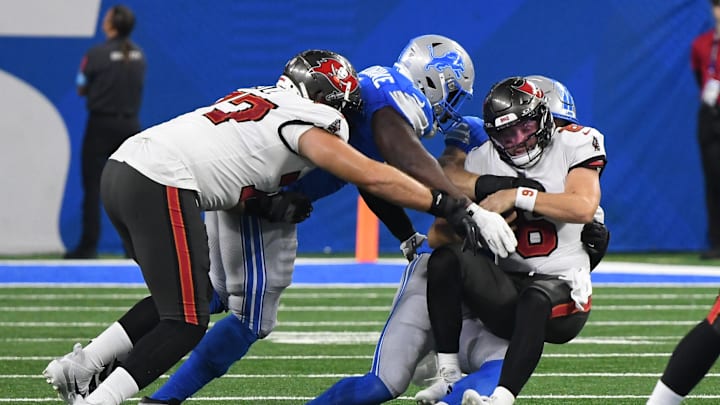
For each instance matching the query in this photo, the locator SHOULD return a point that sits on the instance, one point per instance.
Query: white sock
(663, 395)
(502, 396)
(118, 387)
(111, 343)
(449, 366)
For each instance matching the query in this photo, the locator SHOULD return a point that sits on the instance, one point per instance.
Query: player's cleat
(442, 387)
(69, 376)
(150, 401)
(471, 397)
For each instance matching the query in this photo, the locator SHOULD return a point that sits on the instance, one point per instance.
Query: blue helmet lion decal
(452, 60)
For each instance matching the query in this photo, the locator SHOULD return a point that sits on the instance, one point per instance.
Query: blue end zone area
(327, 271)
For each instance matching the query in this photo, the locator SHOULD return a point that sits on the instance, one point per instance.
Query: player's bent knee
(536, 298)
(443, 263)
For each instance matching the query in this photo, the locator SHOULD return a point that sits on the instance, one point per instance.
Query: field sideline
(331, 317)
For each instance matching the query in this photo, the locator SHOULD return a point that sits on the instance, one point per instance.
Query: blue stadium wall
(626, 62)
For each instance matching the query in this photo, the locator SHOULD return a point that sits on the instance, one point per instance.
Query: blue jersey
(467, 134)
(380, 87)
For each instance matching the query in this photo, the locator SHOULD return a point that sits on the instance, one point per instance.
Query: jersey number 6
(536, 237)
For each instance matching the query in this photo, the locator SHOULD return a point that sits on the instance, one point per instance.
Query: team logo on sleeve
(334, 127)
(337, 74)
(451, 60)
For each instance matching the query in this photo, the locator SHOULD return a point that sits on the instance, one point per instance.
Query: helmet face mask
(518, 120)
(519, 141)
(325, 77)
(443, 71)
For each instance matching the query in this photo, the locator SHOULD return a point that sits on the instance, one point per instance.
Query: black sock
(140, 319)
(528, 340)
(692, 358)
(160, 349)
(444, 299)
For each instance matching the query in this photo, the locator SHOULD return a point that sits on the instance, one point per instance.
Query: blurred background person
(111, 76)
(704, 63)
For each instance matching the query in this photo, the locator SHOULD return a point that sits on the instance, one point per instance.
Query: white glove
(410, 245)
(496, 232)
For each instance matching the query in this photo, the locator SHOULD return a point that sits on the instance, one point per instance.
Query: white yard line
(336, 308)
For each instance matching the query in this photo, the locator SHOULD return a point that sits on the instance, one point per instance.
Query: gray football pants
(251, 263)
(407, 338)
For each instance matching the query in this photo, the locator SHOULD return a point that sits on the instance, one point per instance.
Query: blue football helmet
(443, 71)
(560, 101)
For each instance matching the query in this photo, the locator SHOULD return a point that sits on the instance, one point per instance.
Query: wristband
(525, 198)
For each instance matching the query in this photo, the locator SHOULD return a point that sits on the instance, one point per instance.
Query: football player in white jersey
(157, 184)
(542, 292)
(481, 353)
(406, 337)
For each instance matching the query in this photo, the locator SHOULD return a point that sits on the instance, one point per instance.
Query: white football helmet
(442, 70)
(560, 101)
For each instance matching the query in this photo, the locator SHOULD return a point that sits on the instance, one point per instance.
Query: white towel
(580, 285)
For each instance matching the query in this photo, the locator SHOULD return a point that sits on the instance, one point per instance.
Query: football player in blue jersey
(416, 98)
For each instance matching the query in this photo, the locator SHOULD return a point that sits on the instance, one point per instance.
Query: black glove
(455, 212)
(595, 238)
(488, 184)
(285, 206)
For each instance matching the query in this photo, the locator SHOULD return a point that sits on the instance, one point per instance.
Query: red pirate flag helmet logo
(325, 77)
(531, 89)
(337, 74)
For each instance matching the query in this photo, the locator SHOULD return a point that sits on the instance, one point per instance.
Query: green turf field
(326, 333)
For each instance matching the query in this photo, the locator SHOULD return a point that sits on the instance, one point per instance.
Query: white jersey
(245, 143)
(545, 245)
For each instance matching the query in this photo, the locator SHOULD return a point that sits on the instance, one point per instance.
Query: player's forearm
(396, 187)
(566, 207)
(576, 204)
(452, 160)
(462, 179)
(426, 169)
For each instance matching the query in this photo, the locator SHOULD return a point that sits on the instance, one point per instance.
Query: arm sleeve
(394, 217)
